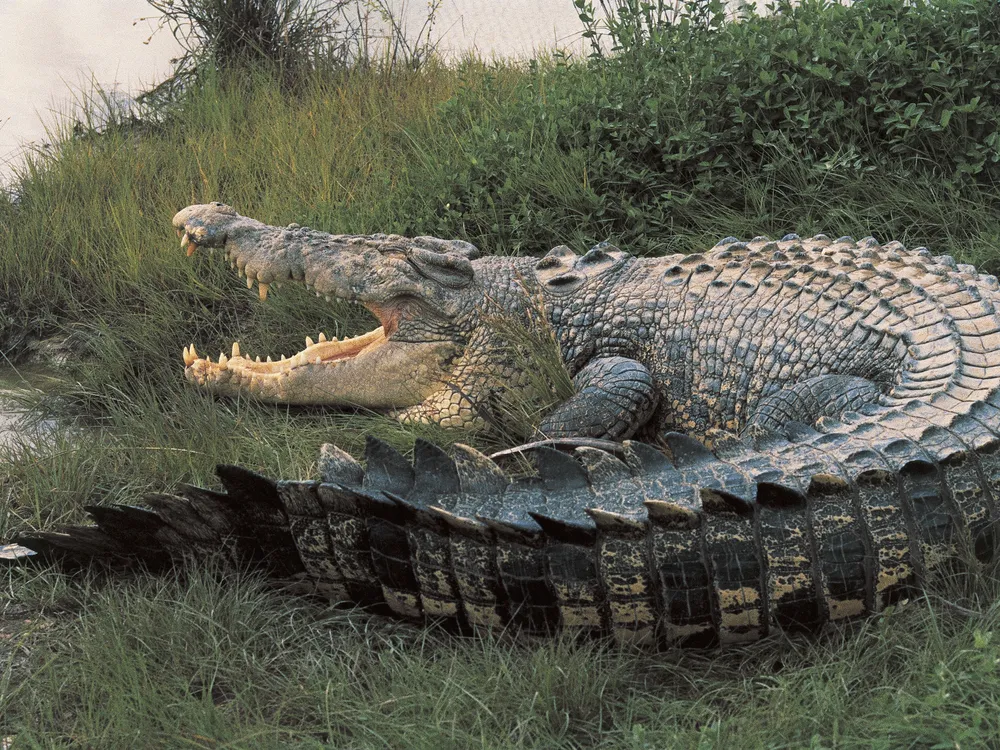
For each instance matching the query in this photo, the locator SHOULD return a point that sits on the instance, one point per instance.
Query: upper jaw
(204, 225)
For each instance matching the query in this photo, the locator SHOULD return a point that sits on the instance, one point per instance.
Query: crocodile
(826, 416)
(746, 336)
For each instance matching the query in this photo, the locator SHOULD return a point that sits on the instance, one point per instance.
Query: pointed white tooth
(236, 348)
(318, 361)
(322, 337)
(258, 358)
(262, 288)
(309, 342)
(193, 352)
(249, 281)
(318, 295)
(283, 357)
(223, 360)
(326, 297)
(268, 358)
(188, 244)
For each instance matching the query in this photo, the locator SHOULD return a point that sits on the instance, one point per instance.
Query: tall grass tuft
(539, 379)
(291, 36)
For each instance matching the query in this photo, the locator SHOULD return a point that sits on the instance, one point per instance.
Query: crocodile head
(417, 289)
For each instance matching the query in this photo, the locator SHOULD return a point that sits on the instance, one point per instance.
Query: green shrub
(699, 111)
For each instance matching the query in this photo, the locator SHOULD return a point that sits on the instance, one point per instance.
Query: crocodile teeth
(258, 358)
(189, 356)
(249, 281)
(318, 361)
(310, 342)
(223, 360)
(322, 337)
(263, 290)
(268, 358)
(188, 244)
(236, 348)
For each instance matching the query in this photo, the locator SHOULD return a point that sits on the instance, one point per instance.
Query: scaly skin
(893, 356)
(747, 335)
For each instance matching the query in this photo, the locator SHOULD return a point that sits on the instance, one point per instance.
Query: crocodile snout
(204, 225)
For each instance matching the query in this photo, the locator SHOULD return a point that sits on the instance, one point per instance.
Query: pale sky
(50, 49)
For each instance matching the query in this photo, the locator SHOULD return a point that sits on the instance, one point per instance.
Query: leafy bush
(698, 110)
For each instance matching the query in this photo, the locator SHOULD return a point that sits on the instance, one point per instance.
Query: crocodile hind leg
(614, 398)
(808, 400)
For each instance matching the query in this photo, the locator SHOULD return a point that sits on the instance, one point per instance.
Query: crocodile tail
(246, 523)
(671, 545)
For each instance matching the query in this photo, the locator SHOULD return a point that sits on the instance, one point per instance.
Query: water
(12, 417)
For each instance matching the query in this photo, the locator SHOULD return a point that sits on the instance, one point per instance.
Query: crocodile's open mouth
(324, 353)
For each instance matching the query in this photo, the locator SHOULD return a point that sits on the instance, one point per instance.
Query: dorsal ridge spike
(583, 532)
(602, 467)
(435, 472)
(478, 474)
(610, 521)
(686, 451)
(337, 465)
(773, 495)
(643, 458)
(244, 484)
(558, 471)
(715, 500)
(386, 468)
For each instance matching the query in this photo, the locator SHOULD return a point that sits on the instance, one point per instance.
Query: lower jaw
(326, 354)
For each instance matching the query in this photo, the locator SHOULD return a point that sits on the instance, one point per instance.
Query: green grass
(216, 659)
